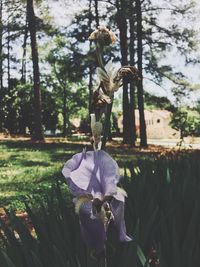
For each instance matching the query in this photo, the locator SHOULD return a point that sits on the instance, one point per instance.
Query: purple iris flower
(91, 176)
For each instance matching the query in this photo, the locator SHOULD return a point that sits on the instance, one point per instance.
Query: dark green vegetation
(187, 122)
(162, 214)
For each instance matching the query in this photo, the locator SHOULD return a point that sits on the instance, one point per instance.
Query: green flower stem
(99, 52)
(106, 125)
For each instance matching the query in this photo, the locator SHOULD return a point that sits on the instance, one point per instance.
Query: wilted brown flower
(128, 72)
(111, 79)
(103, 35)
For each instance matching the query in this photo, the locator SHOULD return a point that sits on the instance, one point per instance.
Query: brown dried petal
(103, 35)
(129, 72)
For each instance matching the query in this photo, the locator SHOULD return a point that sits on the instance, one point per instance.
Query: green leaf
(7, 259)
(142, 257)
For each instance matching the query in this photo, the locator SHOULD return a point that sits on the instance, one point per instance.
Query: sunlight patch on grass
(7, 194)
(10, 173)
(30, 168)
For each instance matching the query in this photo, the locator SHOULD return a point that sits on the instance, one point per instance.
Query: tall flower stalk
(93, 176)
(110, 80)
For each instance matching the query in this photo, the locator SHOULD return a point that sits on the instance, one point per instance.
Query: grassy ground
(29, 169)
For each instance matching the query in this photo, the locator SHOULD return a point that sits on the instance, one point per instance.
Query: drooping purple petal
(118, 213)
(96, 174)
(92, 230)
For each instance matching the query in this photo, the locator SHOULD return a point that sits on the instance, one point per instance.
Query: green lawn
(29, 169)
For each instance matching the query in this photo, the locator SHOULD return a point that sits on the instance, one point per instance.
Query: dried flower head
(103, 35)
(128, 72)
(111, 79)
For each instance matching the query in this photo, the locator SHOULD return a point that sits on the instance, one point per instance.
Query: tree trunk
(11, 113)
(8, 57)
(64, 112)
(90, 67)
(23, 78)
(90, 90)
(23, 122)
(122, 25)
(1, 68)
(38, 132)
(132, 84)
(132, 115)
(143, 136)
(1, 46)
(96, 13)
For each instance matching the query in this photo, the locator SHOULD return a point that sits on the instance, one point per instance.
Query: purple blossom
(93, 175)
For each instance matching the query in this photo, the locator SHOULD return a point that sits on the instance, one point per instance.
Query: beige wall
(157, 125)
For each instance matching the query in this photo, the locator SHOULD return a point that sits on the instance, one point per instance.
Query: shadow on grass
(28, 163)
(20, 190)
(41, 146)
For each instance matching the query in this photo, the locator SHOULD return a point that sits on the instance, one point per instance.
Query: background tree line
(47, 72)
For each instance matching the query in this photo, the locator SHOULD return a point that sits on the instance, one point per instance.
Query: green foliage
(163, 201)
(156, 102)
(162, 214)
(15, 105)
(52, 247)
(186, 122)
(162, 39)
(49, 110)
(65, 81)
(55, 240)
(18, 108)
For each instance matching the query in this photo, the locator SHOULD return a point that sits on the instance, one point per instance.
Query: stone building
(157, 124)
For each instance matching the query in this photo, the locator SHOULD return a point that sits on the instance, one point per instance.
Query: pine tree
(1, 45)
(132, 52)
(10, 32)
(140, 92)
(1, 67)
(38, 131)
(159, 39)
(90, 67)
(122, 25)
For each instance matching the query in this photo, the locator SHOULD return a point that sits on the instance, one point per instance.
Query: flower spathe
(107, 78)
(92, 176)
(96, 127)
(111, 78)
